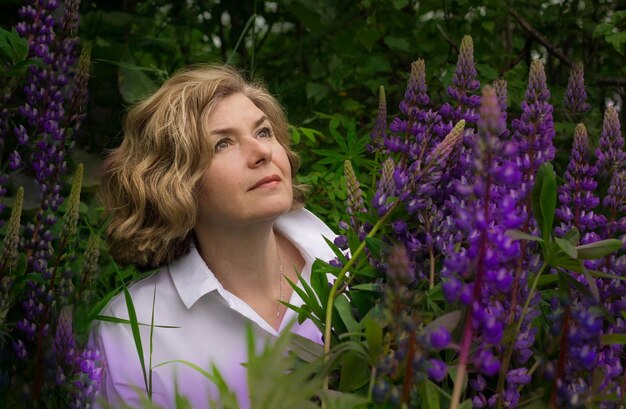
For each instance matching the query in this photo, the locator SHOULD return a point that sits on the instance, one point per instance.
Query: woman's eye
(221, 144)
(265, 133)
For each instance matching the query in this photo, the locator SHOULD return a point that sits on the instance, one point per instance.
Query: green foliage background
(326, 59)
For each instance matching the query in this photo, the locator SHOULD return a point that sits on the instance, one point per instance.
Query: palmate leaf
(12, 46)
(274, 379)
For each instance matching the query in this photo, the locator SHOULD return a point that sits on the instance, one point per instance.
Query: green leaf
(543, 199)
(295, 135)
(602, 30)
(251, 19)
(117, 320)
(565, 277)
(520, 235)
(319, 281)
(305, 349)
(316, 91)
(377, 247)
(617, 40)
(429, 395)
(132, 316)
(613, 339)
(488, 25)
(593, 287)
(133, 83)
(601, 274)
(450, 321)
(368, 37)
(466, 404)
(344, 308)
(566, 247)
(307, 296)
(397, 43)
(566, 262)
(598, 249)
(354, 372)
(338, 400)
(373, 336)
(310, 133)
(573, 236)
(366, 287)
(14, 47)
(547, 279)
(337, 251)
(192, 366)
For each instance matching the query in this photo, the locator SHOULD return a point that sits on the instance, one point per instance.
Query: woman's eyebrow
(230, 131)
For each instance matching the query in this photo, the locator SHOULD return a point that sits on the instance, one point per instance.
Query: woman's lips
(266, 181)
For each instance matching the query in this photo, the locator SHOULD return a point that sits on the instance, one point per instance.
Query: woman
(202, 187)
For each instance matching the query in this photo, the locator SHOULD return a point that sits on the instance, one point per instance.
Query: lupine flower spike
(502, 93)
(12, 237)
(386, 187)
(533, 134)
(485, 262)
(575, 100)
(464, 85)
(8, 261)
(610, 154)
(70, 219)
(577, 194)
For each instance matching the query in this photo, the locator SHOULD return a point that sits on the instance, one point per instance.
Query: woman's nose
(259, 151)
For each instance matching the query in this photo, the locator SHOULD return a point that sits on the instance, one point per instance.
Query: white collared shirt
(211, 321)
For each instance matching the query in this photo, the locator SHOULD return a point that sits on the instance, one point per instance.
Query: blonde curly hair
(150, 182)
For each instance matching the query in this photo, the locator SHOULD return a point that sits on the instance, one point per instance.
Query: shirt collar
(193, 278)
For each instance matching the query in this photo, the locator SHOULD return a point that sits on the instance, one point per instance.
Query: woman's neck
(241, 258)
(251, 263)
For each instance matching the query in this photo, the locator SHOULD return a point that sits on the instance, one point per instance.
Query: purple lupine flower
(415, 96)
(575, 99)
(413, 131)
(488, 251)
(615, 203)
(87, 385)
(386, 187)
(42, 142)
(437, 369)
(440, 338)
(462, 90)
(20, 350)
(576, 196)
(502, 93)
(610, 154)
(532, 136)
(64, 347)
(534, 130)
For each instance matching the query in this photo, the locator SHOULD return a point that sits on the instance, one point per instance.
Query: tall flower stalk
(488, 248)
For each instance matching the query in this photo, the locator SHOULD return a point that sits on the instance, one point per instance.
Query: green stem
(509, 352)
(333, 291)
(370, 389)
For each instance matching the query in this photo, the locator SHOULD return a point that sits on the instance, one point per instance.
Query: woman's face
(249, 177)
